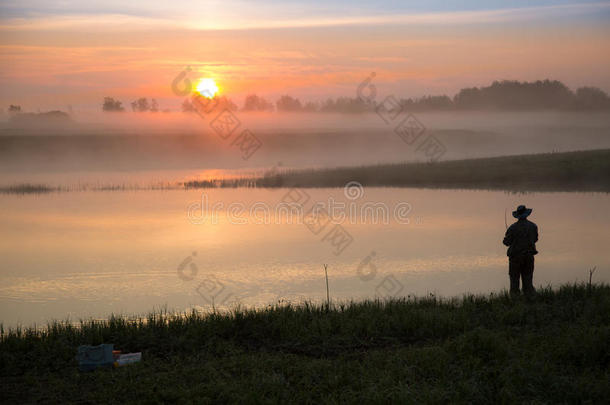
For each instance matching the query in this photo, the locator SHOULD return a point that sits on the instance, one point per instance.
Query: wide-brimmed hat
(522, 212)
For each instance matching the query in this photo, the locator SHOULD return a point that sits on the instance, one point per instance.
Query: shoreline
(567, 171)
(582, 171)
(480, 348)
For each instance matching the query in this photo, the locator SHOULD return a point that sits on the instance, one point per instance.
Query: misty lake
(74, 255)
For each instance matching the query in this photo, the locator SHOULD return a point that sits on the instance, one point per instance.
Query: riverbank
(480, 349)
(569, 171)
(585, 171)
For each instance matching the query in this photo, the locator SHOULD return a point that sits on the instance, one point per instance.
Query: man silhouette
(521, 238)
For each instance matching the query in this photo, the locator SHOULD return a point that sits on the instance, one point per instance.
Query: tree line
(500, 95)
(140, 105)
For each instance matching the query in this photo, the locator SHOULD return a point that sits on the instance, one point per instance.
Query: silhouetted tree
(226, 103)
(187, 106)
(154, 106)
(218, 103)
(514, 95)
(427, 103)
(256, 103)
(468, 98)
(14, 109)
(140, 105)
(110, 104)
(287, 103)
(311, 107)
(500, 95)
(591, 98)
(50, 117)
(345, 105)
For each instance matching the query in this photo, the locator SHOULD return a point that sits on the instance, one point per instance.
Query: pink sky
(56, 61)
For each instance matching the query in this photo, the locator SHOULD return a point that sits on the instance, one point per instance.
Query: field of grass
(554, 348)
(568, 171)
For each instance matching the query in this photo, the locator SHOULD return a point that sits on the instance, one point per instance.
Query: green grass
(569, 171)
(478, 349)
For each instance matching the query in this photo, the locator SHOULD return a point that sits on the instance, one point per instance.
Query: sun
(207, 88)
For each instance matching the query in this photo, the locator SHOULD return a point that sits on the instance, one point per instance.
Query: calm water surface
(88, 254)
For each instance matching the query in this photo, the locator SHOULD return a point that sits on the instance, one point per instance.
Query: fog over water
(151, 147)
(89, 253)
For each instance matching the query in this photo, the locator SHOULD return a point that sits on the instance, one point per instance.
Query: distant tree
(311, 107)
(514, 95)
(187, 106)
(217, 103)
(591, 98)
(256, 103)
(288, 104)
(143, 104)
(226, 103)
(50, 117)
(328, 105)
(140, 105)
(345, 105)
(468, 98)
(154, 107)
(427, 103)
(435, 102)
(110, 104)
(500, 95)
(14, 109)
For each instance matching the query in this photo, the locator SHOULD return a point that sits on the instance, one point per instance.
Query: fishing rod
(327, 292)
(505, 221)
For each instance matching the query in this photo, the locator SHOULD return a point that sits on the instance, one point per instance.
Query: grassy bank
(569, 171)
(554, 349)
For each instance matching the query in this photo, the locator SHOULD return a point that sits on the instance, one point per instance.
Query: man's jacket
(521, 238)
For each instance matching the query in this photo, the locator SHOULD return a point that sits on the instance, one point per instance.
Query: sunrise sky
(55, 54)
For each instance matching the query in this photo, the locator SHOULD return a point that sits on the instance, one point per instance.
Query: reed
(569, 171)
(474, 349)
